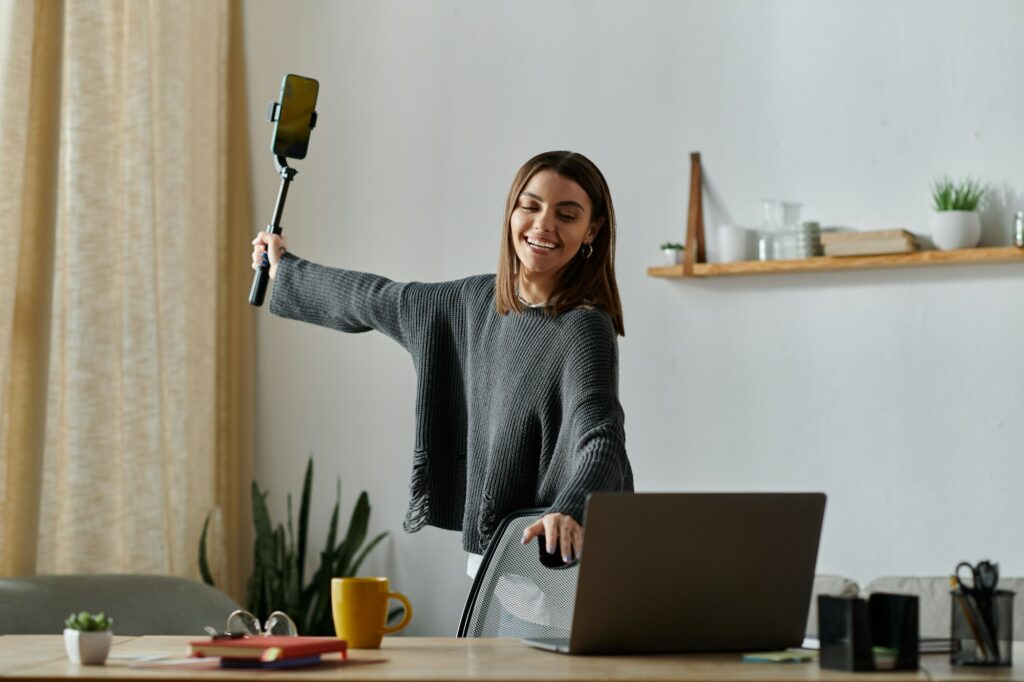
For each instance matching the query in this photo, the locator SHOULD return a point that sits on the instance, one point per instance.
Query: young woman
(517, 374)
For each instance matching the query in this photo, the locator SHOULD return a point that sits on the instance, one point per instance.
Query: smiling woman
(558, 243)
(517, 374)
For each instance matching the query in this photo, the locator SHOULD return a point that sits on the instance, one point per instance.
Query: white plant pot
(956, 229)
(87, 648)
(673, 256)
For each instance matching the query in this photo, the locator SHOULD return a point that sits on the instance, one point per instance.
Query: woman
(517, 374)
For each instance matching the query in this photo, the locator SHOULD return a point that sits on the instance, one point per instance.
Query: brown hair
(585, 281)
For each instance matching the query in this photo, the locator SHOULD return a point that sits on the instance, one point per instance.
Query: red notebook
(268, 648)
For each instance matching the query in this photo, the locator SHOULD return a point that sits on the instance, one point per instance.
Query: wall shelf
(992, 254)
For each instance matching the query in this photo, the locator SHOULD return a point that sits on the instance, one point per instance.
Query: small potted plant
(673, 252)
(87, 637)
(956, 223)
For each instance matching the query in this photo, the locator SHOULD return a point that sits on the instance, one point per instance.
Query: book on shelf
(268, 649)
(869, 235)
(871, 247)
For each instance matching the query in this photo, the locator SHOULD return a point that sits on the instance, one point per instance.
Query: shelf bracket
(695, 219)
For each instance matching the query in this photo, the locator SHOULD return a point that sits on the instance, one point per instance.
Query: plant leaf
(204, 567)
(358, 561)
(321, 615)
(263, 554)
(356, 532)
(307, 485)
(332, 527)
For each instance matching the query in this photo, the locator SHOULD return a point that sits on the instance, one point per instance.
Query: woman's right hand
(268, 247)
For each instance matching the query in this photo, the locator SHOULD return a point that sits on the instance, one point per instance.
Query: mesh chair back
(514, 595)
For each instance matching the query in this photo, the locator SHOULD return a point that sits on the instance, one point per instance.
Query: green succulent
(962, 195)
(279, 560)
(672, 246)
(89, 622)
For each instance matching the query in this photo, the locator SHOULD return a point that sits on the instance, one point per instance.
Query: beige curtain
(125, 336)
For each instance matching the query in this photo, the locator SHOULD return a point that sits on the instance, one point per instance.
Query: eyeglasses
(243, 624)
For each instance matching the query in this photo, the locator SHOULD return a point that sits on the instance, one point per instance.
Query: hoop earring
(589, 253)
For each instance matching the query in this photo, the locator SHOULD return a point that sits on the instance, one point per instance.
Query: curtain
(125, 336)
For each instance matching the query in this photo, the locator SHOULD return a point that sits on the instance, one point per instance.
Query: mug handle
(408, 613)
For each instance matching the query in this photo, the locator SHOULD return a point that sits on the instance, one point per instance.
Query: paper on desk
(788, 656)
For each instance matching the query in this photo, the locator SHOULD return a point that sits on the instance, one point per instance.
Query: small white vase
(955, 229)
(87, 648)
(673, 256)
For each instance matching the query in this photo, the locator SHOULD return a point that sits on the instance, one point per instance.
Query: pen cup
(982, 632)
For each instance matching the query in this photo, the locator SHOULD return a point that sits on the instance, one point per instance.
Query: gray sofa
(139, 604)
(934, 605)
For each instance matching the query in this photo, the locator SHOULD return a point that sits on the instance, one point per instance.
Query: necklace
(527, 303)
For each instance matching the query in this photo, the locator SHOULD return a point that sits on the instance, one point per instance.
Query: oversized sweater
(512, 411)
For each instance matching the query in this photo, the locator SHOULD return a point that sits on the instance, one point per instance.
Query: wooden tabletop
(413, 659)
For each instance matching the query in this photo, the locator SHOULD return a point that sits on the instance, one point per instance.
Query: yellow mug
(360, 608)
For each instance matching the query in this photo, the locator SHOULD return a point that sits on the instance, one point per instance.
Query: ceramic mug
(360, 609)
(732, 243)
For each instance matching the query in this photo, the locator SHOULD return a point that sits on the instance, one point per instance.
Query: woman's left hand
(561, 533)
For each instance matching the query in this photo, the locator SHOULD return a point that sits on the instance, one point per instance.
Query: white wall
(896, 392)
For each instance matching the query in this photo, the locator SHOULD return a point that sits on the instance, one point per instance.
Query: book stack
(268, 652)
(871, 243)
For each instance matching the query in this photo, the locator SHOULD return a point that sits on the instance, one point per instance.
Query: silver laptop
(688, 572)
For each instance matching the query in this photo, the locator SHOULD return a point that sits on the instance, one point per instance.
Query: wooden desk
(38, 658)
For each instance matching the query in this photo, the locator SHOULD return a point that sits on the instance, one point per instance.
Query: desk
(37, 658)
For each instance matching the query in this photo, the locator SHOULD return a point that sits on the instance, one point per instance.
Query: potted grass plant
(956, 223)
(87, 637)
(673, 252)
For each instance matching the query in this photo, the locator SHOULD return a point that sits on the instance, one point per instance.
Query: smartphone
(295, 116)
(552, 559)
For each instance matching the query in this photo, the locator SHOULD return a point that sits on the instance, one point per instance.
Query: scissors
(977, 580)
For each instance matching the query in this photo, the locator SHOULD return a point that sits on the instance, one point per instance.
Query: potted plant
(279, 559)
(956, 223)
(87, 637)
(673, 252)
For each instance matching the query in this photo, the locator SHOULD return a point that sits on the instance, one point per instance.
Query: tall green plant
(279, 558)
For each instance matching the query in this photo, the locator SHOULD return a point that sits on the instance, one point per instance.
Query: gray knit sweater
(512, 411)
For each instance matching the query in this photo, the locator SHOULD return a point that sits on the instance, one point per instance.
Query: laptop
(694, 572)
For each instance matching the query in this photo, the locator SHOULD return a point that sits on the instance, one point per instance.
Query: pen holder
(877, 634)
(984, 631)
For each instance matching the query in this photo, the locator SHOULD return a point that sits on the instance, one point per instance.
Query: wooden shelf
(993, 254)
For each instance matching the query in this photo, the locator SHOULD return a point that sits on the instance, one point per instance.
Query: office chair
(139, 604)
(513, 594)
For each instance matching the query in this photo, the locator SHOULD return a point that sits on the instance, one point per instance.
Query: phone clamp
(274, 113)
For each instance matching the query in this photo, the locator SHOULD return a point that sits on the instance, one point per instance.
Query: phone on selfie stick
(294, 117)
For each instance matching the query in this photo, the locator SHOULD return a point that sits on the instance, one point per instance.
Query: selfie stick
(262, 276)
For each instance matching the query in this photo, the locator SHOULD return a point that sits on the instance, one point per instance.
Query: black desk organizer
(984, 638)
(849, 628)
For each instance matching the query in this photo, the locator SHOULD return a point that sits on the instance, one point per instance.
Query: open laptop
(686, 572)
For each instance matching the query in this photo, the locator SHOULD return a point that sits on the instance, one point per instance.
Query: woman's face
(551, 220)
